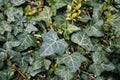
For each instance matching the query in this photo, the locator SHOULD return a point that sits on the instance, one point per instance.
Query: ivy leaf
(73, 61)
(1, 3)
(116, 44)
(97, 57)
(12, 12)
(99, 78)
(51, 45)
(94, 30)
(60, 20)
(26, 41)
(108, 67)
(45, 15)
(17, 2)
(2, 38)
(3, 75)
(64, 73)
(83, 40)
(36, 65)
(2, 56)
(58, 3)
(71, 28)
(11, 44)
(4, 27)
(68, 29)
(97, 69)
(30, 27)
(85, 18)
(47, 64)
(116, 25)
(96, 10)
(35, 68)
(17, 29)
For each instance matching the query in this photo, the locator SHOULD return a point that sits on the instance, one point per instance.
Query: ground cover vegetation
(59, 39)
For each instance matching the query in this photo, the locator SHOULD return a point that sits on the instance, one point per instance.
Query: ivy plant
(59, 40)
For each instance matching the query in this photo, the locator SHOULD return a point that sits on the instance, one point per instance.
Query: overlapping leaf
(83, 40)
(17, 2)
(51, 44)
(73, 61)
(4, 27)
(97, 69)
(26, 41)
(45, 15)
(91, 49)
(94, 30)
(64, 73)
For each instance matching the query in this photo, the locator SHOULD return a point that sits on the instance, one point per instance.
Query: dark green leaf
(51, 45)
(83, 40)
(73, 61)
(26, 41)
(64, 73)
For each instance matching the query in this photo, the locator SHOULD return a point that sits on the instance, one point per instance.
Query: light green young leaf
(64, 73)
(83, 40)
(73, 61)
(51, 45)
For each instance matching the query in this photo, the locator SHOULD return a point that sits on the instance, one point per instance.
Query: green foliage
(51, 44)
(59, 39)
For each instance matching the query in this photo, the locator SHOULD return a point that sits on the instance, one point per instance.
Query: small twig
(89, 15)
(37, 35)
(21, 74)
(51, 27)
(42, 76)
